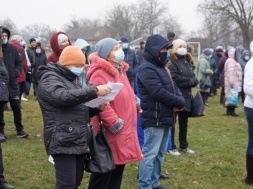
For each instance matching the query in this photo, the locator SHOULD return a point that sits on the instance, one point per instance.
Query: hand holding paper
(116, 87)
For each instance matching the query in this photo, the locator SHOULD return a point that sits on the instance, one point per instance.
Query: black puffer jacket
(182, 73)
(65, 117)
(4, 82)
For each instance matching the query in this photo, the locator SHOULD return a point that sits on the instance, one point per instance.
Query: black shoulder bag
(101, 157)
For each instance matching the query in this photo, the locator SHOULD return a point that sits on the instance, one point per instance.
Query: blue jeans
(249, 116)
(155, 146)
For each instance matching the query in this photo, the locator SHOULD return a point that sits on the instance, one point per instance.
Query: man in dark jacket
(4, 96)
(140, 51)
(160, 98)
(14, 65)
(130, 58)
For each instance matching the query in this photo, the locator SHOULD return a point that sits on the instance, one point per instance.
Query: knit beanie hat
(207, 52)
(71, 55)
(219, 49)
(251, 47)
(61, 37)
(124, 39)
(17, 38)
(31, 40)
(176, 43)
(105, 46)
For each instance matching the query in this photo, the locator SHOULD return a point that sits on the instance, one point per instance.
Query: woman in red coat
(120, 118)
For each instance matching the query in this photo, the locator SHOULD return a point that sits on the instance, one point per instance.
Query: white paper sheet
(116, 87)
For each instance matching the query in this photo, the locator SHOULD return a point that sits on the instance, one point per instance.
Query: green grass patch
(218, 140)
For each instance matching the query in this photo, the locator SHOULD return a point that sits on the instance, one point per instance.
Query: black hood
(58, 69)
(5, 30)
(153, 45)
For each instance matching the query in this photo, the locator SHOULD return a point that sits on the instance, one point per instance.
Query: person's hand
(175, 109)
(102, 107)
(103, 90)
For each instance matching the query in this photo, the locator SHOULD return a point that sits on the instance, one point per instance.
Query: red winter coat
(124, 144)
(54, 57)
(21, 52)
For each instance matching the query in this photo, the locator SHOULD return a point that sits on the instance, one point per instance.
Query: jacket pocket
(70, 134)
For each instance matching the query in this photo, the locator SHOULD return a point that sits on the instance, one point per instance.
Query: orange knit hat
(71, 55)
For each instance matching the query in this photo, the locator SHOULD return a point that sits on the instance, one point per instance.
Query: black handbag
(101, 157)
(205, 83)
(197, 106)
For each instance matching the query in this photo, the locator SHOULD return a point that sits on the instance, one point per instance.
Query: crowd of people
(157, 77)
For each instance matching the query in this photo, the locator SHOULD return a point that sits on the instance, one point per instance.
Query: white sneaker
(187, 150)
(24, 99)
(174, 152)
(51, 159)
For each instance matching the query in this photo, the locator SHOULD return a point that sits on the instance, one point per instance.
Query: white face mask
(119, 56)
(181, 51)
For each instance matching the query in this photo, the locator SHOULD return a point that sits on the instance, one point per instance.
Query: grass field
(218, 140)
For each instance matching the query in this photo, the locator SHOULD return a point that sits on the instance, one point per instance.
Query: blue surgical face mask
(119, 56)
(125, 45)
(247, 57)
(82, 79)
(4, 41)
(77, 71)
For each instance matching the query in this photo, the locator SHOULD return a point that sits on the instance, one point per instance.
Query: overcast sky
(56, 13)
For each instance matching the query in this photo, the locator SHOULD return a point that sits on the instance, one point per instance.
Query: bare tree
(139, 20)
(155, 11)
(171, 24)
(86, 22)
(119, 19)
(10, 25)
(42, 32)
(72, 24)
(240, 11)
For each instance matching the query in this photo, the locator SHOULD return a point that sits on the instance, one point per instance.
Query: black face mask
(162, 56)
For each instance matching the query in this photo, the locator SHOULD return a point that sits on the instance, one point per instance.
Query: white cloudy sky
(56, 13)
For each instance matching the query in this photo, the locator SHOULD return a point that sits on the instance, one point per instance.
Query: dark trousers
(183, 127)
(15, 106)
(222, 96)
(69, 170)
(35, 87)
(2, 179)
(22, 88)
(110, 180)
(213, 89)
(204, 96)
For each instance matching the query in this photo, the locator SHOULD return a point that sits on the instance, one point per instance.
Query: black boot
(232, 112)
(228, 111)
(249, 167)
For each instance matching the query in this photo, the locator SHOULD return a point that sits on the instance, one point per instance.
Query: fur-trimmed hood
(100, 63)
(174, 56)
